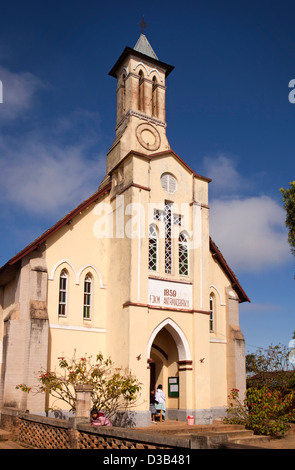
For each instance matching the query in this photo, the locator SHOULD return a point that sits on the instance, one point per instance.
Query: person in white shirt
(160, 399)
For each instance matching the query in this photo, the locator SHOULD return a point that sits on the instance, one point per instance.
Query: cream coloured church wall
(217, 287)
(218, 359)
(76, 249)
(147, 175)
(195, 327)
(162, 164)
(201, 189)
(72, 343)
(8, 306)
(119, 275)
(218, 338)
(9, 296)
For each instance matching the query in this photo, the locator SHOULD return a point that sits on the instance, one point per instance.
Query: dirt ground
(286, 442)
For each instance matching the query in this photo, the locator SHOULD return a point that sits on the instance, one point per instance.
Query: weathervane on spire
(142, 25)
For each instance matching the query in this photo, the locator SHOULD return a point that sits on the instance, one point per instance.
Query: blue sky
(228, 117)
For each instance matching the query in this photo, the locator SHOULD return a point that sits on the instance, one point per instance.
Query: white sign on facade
(169, 294)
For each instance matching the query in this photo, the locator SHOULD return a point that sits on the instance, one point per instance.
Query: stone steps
(250, 440)
(186, 429)
(244, 436)
(225, 439)
(231, 434)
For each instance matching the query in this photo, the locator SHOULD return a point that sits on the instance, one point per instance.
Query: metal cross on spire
(142, 25)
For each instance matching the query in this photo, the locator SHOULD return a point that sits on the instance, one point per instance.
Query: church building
(132, 272)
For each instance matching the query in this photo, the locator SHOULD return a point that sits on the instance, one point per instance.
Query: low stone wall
(50, 433)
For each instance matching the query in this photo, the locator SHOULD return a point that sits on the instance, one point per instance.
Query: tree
(113, 387)
(270, 367)
(289, 204)
(274, 358)
(268, 407)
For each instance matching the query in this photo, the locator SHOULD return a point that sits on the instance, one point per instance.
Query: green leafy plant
(266, 411)
(112, 387)
(289, 205)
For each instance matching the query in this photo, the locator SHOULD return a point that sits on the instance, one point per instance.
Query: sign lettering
(169, 294)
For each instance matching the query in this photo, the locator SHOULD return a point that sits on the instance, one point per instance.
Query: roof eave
(128, 51)
(36, 243)
(228, 271)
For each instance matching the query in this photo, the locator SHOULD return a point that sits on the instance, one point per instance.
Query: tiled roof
(144, 47)
(66, 219)
(216, 253)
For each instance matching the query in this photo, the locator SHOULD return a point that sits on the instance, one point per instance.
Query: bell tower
(141, 121)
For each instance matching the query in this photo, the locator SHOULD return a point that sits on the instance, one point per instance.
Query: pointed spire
(144, 47)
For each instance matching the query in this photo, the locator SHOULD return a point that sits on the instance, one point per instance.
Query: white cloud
(45, 171)
(250, 232)
(248, 228)
(19, 90)
(226, 179)
(224, 174)
(46, 178)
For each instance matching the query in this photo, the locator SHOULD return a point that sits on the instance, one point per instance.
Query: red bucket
(190, 420)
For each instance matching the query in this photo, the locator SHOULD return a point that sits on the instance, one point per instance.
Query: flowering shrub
(112, 387)
(264, 410)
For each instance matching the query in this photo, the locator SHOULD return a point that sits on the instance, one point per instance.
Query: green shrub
(266, 411)
(291, 382)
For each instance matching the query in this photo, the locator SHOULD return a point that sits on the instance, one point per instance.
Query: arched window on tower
(63, 288)
(123, 93)
(140, 91)
(212, 313)
(153, 248)
(121, 96)
(87, 297)
(155, 98)
(183, 254)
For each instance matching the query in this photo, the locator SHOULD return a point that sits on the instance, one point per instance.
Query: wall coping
(134, 434)
(82, 425)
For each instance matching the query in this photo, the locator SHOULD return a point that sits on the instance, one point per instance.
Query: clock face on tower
(148, 136)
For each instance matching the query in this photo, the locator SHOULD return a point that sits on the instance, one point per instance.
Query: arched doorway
(167, 350)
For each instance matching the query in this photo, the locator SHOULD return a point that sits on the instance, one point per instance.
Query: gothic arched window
(212, 313)
(153, 248)
(123, 94)
(140, 91)
(155, 98)
(62, 300)
(183, 254)
(87, 297)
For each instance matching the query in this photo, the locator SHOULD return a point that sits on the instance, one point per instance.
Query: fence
(75, 433)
